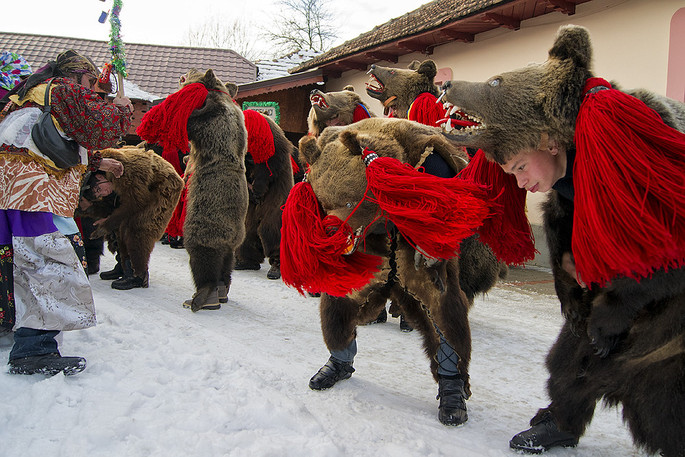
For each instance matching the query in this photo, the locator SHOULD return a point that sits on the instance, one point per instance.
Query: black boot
(543, 434)
(47, 364)
(130, 281)
(333, 371)
(176, 242)
(93, 263)
(452, 408)
(404, 325)
(115, 273)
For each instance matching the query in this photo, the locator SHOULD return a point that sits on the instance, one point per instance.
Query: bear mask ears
(349, 87)
(308, 149)
(572, 43)
(232, 89)
(428, 69)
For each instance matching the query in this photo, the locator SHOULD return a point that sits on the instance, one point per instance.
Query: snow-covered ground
(162, 381)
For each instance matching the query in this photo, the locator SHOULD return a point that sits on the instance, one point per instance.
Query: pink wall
(675, 80)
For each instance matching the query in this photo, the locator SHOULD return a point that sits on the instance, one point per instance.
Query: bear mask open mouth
(460, 122)
(318, 100)
(374, 86)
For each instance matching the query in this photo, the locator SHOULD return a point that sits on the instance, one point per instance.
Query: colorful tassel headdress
(629, 180)
(260, 139)
(435, 213)
(166, 124)
(507, 232)
(314, 248)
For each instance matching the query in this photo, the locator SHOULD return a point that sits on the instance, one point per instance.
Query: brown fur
(217, 194)
(625, 342)
(332, 108)
(148, 191)
(405, 85)
(270, 185)
(426, 296)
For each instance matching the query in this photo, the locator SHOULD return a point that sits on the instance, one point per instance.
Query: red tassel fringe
(167, 123)
(312, 249)
(629, 184)
(260, 140)
(435, 213)
(507, 232)
(426, 110)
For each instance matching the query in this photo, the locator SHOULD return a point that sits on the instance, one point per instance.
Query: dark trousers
(29, 342)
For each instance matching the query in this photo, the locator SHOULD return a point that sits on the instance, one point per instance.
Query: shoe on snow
(130, 282)
(333, 371)
(543, 435)
(404, 325)
(211, 302)
(115, 273)
(452, 408)
(274, 272)
(47, 364)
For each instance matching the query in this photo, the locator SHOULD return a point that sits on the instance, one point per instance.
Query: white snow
(162, 381)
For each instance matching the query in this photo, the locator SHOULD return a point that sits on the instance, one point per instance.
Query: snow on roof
(277, 68)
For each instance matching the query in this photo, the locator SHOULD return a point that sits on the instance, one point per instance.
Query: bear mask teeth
(374, 84)
(468, 123)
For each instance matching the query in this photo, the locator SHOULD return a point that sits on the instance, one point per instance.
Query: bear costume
(335, 108)
(623, 339)
(203, 113)
(407, 94)
(143, 199)
(434, 295)
(269, 172)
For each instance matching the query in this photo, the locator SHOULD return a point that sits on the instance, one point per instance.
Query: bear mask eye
(494, 82)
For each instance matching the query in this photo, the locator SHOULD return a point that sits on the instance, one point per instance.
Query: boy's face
(537, 170)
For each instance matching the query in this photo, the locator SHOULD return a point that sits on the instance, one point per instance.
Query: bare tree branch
(217, 32)
(303, 25)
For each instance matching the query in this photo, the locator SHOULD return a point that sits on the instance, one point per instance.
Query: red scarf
(508, 231)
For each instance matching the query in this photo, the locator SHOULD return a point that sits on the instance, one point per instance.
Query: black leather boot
(130, 281)
(333, 371)
(543, 434)
(452, 408)
(47, 364)
(115, 273)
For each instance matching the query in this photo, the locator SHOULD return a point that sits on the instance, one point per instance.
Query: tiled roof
(429, 26)
(154, 68)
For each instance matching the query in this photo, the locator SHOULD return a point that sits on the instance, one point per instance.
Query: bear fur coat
(146, 195)
(623, 342)
(269, 183)
(217, 204)
(428, 296)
